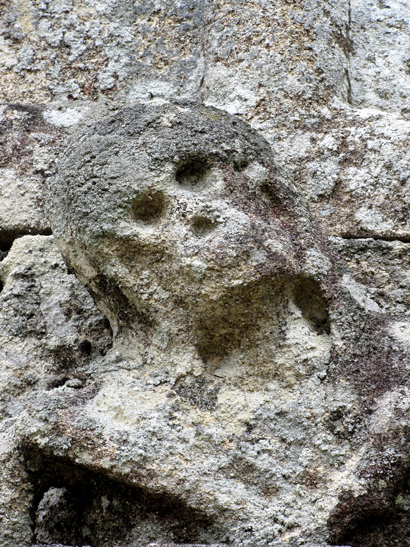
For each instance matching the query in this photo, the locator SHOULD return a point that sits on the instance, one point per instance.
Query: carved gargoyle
(229, 407)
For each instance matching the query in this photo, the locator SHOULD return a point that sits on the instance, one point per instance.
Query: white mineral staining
(65, 118)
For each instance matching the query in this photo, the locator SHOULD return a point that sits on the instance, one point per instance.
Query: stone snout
(194, 267)
(227, 279)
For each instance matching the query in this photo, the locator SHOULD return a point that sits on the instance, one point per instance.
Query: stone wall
(108, 437)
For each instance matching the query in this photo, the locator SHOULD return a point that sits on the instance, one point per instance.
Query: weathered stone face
(175, 215)
(242, 376)
(216, 282)
(178, 205)
(257, 388)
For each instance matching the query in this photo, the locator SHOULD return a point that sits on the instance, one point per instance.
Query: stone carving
(216, 283)
(161, 438)
(232, 405)
(176, 221)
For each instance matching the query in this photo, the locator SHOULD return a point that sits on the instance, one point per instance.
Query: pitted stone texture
(245, 366)
(289, 68)
(275, 60)
(239, 384)
(352, 166)
(48, 327)
(274, 544)
(261, 59)
(382, 267)
(28, 145)
(218, 286)
(52, 328)
(380, 41)
(292, 69)
(85, 50)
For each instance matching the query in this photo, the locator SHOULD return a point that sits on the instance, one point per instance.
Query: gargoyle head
(174, 208)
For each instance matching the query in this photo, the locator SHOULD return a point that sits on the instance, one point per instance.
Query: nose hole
(149, 208)
(192, 174)
(202, 226)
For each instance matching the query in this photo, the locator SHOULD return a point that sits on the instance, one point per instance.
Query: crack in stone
(401, 239)
(348, 52)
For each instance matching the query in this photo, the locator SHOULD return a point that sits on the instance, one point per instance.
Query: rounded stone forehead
(177, 132)
(144, 147)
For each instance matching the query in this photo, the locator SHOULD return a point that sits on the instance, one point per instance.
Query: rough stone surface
(218, 287)
(25, 138)
(275, 544)
(254, 385)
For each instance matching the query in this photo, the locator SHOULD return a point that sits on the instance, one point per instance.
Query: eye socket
(270, 194)
(202, 226)
(192, 174)
(148, 208)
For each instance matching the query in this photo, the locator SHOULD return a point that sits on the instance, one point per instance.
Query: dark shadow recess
(380, 518)
(7, 238)
(74, 505)
(309, 298)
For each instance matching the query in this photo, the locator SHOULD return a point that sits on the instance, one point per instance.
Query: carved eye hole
(193, 174)
(148, 208)
(202, 226)
(268, 190)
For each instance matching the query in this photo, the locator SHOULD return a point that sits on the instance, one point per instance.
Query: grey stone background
(326, 83)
